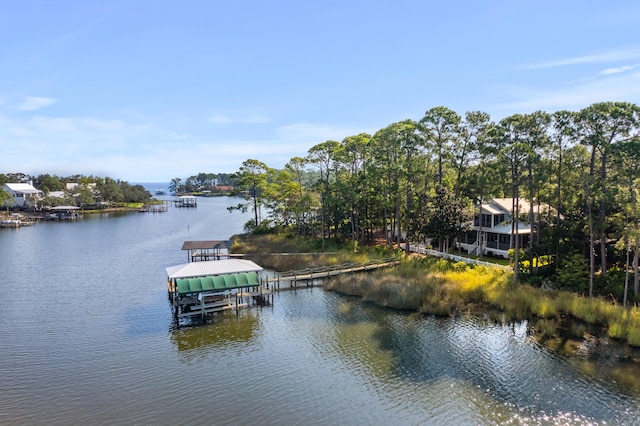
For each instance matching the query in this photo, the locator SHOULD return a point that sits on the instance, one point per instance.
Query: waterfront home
(24, 195)
(492, 230)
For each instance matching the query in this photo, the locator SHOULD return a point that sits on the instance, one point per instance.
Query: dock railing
(319, 272)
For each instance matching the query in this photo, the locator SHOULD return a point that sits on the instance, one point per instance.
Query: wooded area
(422, 179)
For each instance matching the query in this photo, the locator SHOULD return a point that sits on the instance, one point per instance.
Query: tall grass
(441, 288)
(437, 286)
(284, 253)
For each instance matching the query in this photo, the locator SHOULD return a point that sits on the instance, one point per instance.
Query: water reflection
(227, 329)
(497, 368)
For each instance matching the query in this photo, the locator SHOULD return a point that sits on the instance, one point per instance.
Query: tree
(445, 222)
(627, 161)
(562, 136)
(252, 180)
(6, 199)
(110, 190)
(471, 133)
(47, 183)
(322, 155)
(600, 126)
(439, 127)
(510, 138)
(176, 185)
(535, 135)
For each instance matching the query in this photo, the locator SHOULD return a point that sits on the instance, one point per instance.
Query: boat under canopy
(211, 268)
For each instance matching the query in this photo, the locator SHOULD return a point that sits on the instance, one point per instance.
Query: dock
(162, 207)
(213, 280)
(186, 201)
(207, 250)
(308, 275)
(197, 289)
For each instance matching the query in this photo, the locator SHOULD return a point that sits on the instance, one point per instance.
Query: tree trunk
(480, 238)
(603, 216)
(592, 260)
(531, 217)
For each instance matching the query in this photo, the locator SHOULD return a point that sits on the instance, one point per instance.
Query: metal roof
(506, 229)
(211, 245)
(212, 268)
(24, 188)
(488, 209)
(65, 208)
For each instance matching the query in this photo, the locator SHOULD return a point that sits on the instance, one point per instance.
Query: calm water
(88, 338)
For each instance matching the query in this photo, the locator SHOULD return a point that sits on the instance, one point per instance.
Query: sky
(151, 90)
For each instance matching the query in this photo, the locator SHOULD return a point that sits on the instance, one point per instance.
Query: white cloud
(225, 119)
(624, 86)
(617, 70)
(219, 119)
(33, 103)
(621, 54)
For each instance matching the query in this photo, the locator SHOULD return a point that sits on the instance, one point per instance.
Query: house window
(486, 220)
(499, 218)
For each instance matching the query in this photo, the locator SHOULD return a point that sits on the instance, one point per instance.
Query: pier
(213, 280)
(308, 275)
(155, 208)
(207, 250)
(186, 201)
(197, 289)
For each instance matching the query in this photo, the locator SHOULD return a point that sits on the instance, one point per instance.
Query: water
(88, 338)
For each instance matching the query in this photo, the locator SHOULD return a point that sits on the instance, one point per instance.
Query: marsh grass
(445, 289)
(436, 286)
(284, 253)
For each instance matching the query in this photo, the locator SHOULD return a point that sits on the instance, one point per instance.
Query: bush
(573, 274)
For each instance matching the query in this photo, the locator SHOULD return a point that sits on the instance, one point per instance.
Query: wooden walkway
(308, 275)
(422, 249)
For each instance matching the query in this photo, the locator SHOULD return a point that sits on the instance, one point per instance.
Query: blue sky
(150, 90)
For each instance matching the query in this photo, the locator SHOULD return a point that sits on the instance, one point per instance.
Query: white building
(24, 194)
(493, 229)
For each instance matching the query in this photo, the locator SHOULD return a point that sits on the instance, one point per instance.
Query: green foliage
(573, 274)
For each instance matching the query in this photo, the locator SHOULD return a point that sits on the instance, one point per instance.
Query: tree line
(90, 191)
(421, 179)
(212, 182)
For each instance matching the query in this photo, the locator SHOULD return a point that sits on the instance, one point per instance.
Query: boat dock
(207, 250)
(200, 288)
(155, 207)
(213, 280)
(186, 201)
(308, 275)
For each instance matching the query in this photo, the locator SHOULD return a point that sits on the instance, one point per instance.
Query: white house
(492, 227)
(24, 194)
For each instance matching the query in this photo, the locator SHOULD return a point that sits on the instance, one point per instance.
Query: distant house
(223, 188)
(24, 194)
(492, 230)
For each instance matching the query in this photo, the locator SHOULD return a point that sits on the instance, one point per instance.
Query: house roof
(489, 209)
(506, 229)
(23, 188)
(504, 205)
(211, 268)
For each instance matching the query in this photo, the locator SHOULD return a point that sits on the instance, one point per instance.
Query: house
(24, 194)
(492, 230)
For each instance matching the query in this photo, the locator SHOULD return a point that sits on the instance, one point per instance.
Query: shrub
(573, 274)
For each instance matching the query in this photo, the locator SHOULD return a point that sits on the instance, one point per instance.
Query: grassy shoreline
(439, 287)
